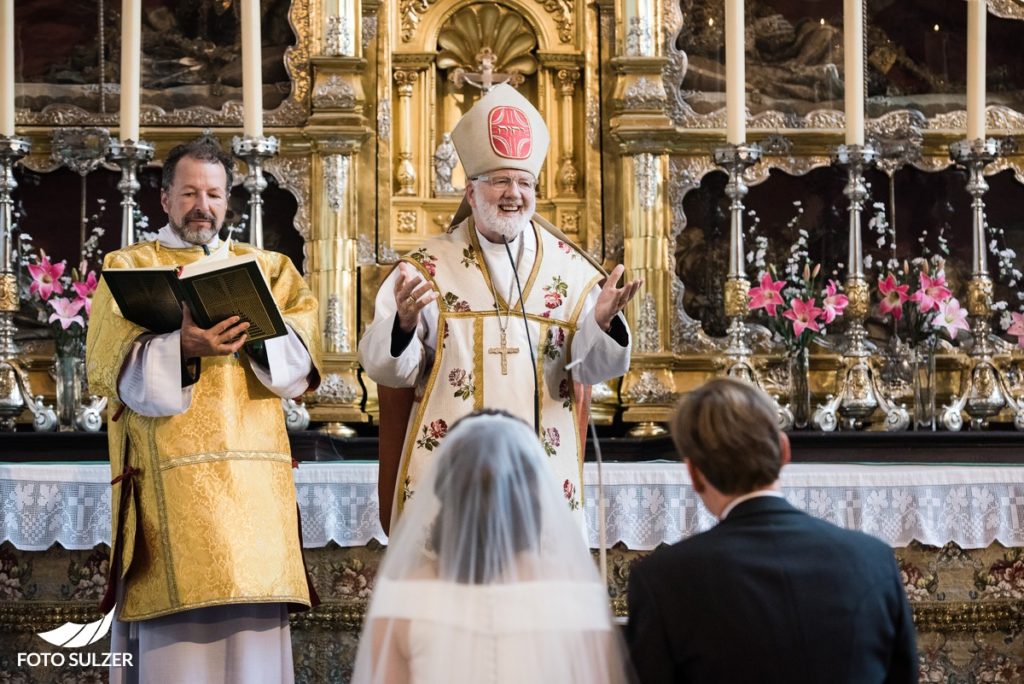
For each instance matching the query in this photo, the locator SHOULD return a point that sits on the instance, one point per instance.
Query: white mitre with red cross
(501, 131)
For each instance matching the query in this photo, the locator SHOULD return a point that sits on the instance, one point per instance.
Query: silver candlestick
(14, 391)
(130, 156)
(859, 393)
(986, 392)
(254, 151)
(736, 159)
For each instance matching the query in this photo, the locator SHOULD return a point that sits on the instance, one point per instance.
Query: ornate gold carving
(407, 222)
(979, 296)
(649, 389)
(335, 93)
(568, 176)
(335, 390)
(443, 220)
(644, 93)
(292, 174)
(1008, 9)
(404, 79)
(570, 222)
(9, 292)
(736, 297)
(409, 12)
(647, 339)
(567, 80)
(859, 297)
(487, 29)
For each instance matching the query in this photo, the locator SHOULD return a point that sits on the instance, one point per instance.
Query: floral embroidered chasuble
(209, 515)
(467, 371)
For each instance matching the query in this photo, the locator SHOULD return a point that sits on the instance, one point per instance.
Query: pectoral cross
(504, 350)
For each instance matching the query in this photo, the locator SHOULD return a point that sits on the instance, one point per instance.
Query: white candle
(853, 65)
(7, 68)
(131, 59)
(976, 15)
(252, 70)
(735, 74)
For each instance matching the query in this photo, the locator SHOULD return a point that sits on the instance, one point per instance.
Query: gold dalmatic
(483, 352)
(204, 509)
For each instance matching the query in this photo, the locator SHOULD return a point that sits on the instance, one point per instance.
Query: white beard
(509, 227)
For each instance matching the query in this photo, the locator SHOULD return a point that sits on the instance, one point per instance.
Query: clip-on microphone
(529, 343)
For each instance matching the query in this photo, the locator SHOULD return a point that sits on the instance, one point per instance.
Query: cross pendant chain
(504, 350)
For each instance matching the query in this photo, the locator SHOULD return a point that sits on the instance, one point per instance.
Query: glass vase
(69, 378)
(923, 364)
(799, 387)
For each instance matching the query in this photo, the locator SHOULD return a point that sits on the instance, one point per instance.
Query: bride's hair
(487, 484)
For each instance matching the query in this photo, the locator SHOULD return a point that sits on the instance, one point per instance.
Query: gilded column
(644, 132)
(568, 176)
(405, 79)
(337, 128)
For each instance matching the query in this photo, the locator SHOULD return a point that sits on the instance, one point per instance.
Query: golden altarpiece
(362, 94)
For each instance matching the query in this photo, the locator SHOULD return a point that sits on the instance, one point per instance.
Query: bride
(486, 578)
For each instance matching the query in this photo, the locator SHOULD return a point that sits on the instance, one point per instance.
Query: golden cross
(504, 351)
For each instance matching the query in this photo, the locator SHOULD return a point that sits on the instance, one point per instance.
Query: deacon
(491, 313)
(205, 554)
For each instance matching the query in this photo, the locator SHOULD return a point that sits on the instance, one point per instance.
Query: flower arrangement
(926, 311)
(62, 298)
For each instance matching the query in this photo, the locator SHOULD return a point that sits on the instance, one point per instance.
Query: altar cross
(504, 350)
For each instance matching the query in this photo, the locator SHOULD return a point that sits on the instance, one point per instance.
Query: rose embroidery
(425, 259)
(554, 343)
(567, 248)
(555, 292)
(452, 301)
(551, 440)
(462, 382)
(469, 257)
(563, 393)
(432, 435)
(569, 490)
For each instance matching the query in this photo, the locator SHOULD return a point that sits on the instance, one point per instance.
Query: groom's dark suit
(771, 594)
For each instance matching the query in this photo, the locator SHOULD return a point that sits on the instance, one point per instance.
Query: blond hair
(727, 429)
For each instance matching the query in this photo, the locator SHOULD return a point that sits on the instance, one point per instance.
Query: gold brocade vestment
(204, 510)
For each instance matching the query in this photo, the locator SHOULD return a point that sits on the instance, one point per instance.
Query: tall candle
(131, 59)
(252, 70)
(976, 15)
(735, 74)
(7, 67)
(853, 65)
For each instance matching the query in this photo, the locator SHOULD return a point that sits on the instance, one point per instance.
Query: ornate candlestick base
(14, 388)
(859, 393)
(130, 156)
(254, 151)
(985, 393)
(735, 159)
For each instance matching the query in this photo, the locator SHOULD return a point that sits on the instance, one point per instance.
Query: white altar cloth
(647, 504)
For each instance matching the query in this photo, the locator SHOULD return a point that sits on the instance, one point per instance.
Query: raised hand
(613, 299)
(225, 338)
(412, 294)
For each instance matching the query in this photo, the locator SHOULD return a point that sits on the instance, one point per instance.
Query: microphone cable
(526, 326)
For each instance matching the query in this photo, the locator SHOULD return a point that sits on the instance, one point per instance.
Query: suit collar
(758, 506)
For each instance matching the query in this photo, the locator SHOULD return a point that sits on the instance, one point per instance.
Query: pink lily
(86, 290)
(933, 292)
(46, 277)
(1017, 327)
(834, 302)
(951, 317)
(66, 311)
(767, 296)
(804, 315)
(893, 296)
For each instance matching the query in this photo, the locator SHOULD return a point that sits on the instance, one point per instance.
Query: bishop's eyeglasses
(503, 183)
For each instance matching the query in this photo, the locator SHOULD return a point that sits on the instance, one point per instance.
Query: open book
(214, 289)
